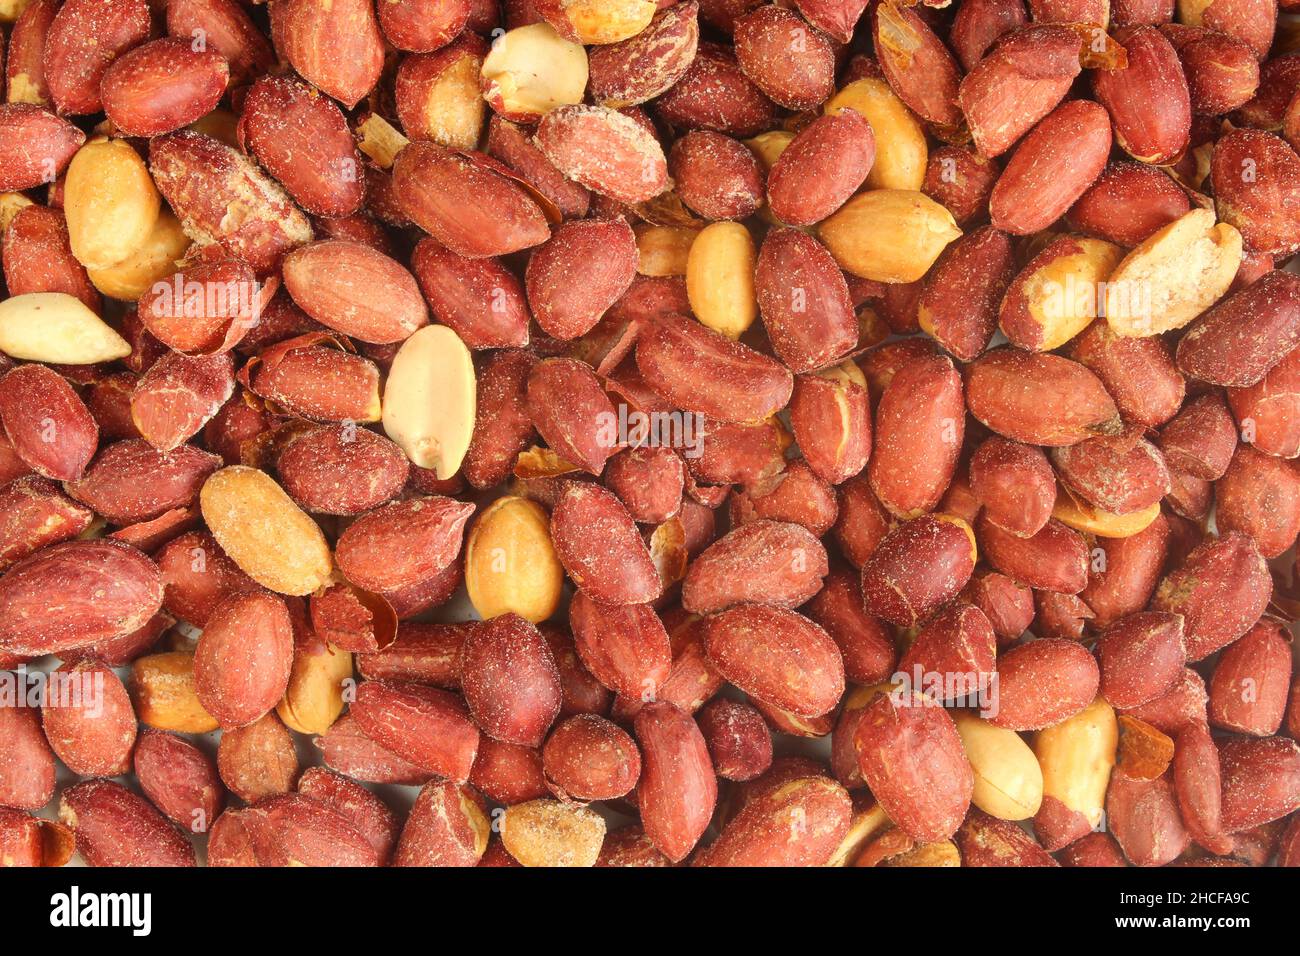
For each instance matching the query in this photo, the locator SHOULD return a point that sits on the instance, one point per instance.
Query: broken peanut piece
(1057, 295)
(531, 70)
(1073, 511)
(1173, 276)
(157, 258)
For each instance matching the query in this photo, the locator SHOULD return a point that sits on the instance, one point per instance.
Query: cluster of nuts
(662, 331)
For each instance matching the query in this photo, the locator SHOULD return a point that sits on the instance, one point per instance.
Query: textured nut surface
(165, 696)
(353, 289)
(1149, 292)
(551, 833)
(913, 760)
(75, 594)
(607, 151)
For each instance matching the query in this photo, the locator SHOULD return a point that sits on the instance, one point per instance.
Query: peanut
(111, 203)
(667, 329)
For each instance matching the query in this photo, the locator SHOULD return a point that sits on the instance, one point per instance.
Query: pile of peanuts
(649, 432)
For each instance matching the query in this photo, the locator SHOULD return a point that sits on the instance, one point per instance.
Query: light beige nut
(890, 235)
(10, 205)
(663, 250)
(1059, 293)
(163, 690)
(1173, 276)
(429, 399)
(314, 698)
(57, 328)
(1008, 780)
(551, 833)
(531, 70)
(607, 21)
(1078, 514)
(769, 146)
(11, 9)
(1076, 757)
(157, 259)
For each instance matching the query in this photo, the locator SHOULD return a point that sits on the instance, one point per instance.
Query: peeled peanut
(272, 540)
(1056, 296)
(153, 262)
(510, 563)
(1076, 757)
(10, 205)
(11, 9)
(1008, 780)
(890, 235)
(110, 203)
(663, 250)
(1076, 513)
(163, 690)
(1173, 276)
(769, 146)
(901, 153)
(219, 124)
(608, 21)
(720, 278)
(58, 328)
(429, 399)
(531, 70)
(551, 833)
(943, 853)
(314, 697)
